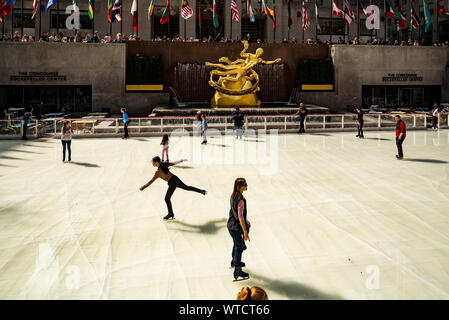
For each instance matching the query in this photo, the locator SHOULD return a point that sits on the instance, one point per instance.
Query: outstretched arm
(174, 163)
(149, 182)
(270, 62)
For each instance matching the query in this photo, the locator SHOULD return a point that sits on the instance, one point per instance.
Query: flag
(150, 10)
(290, 22)
(35, 5)
(338, 11)
(402, 22)
(91, 9)
(214, 14)
(348, 11)
(427, 16)
(199, 17)
(134, 14)
(249, 11)
(317, 16)
(268, 12)
(6, 7)
(443, 14)
(234, 11)
(166, 14)
(49, 4)
(75, 11)
(414, 22)
(396, 14)
(274, 17)
(186, 10)
(305, 18)
(110, 4)
(115, 14)
(362, 8)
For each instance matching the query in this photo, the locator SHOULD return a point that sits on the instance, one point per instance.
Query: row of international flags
(346, 13)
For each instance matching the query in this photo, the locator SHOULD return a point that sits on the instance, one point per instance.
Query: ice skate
(169, 216)
(240, 275)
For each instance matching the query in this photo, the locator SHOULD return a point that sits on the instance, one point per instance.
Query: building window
(58, 19)
(331, 26)
(365, 31)
(17, 18)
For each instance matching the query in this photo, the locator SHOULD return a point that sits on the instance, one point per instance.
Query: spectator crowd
(85, 37)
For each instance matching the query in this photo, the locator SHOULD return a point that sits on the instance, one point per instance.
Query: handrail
(246, 116)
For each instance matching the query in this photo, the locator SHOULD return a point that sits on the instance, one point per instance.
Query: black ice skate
(169, 216)
(240, 275)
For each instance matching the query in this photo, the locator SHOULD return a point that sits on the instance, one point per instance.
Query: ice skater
(26, 119)
(164, 144)
(204, 127)
(125, 122)
(302, 112)
(173, 182)
(238, 119)
(66, 140)
(435, 117)
(400, 135)
(238, 227)
(360, 123)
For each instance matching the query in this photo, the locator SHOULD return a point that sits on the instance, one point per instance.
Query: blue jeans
(239, 246)
(238, 132)
(66, 143)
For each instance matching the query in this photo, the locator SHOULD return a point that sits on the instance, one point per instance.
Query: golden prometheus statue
(237, 82)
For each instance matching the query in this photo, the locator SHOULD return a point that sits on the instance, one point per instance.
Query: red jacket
(400, 128)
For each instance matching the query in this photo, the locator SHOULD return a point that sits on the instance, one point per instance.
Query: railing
(160, 125)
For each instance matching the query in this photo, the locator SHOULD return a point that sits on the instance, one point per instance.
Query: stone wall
(101, 66)
(356, 66)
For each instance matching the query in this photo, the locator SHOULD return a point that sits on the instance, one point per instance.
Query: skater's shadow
(320, 134)
(140, 139)
(85, 164)
(293, 290)
(10, 158)
(380, 139)
(35, 146)
(7, 165)
(426, 160)
(24, 151)
(253, 140)
(219, 145)
(183, 167)
(210, 227)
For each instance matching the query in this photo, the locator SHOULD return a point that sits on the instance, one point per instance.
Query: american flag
(235, 11)
(186, 11)
(305, 18)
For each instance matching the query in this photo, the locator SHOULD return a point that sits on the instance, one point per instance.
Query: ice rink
(333, 217)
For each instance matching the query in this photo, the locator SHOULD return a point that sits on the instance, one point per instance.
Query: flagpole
(344, 14)
(358, 22)
(231, 24)
(21, 14)
(137, 19)
(93, 20)
(199, 21)
(185, 25)
(332, 21)
(57, 20)
(385, 20)
(40, 18)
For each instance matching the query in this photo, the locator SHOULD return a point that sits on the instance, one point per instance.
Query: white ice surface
(334, 218)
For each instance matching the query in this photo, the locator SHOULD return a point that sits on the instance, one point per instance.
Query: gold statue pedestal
(226, 100)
